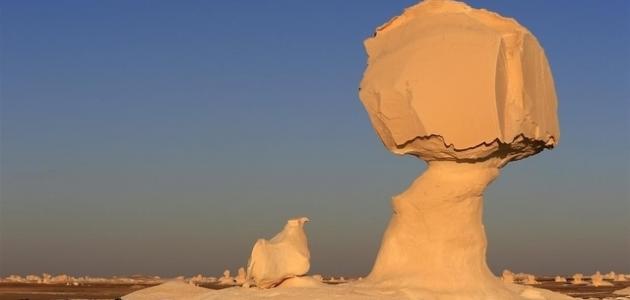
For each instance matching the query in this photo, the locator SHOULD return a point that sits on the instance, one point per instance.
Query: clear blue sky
(164, 137)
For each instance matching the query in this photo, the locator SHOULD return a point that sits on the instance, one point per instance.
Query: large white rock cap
(445, 81)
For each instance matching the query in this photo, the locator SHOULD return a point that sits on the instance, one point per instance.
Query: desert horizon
(47, 286)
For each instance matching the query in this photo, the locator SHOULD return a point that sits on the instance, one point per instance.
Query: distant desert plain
(47, 287)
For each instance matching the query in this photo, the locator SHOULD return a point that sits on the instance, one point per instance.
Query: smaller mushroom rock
(530, 280)
(226, 279)
(318, 277)
(598, 280)
(284, 256)
(577, 279)
(241, 277)
(610, 275)
(507, 276)
(620, 278)
(46, 278)
(445, 81)
(560, 279)
(195, 280)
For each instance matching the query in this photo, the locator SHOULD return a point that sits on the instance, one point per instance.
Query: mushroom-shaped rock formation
(241, 278)
(507, 276)
(284, 256)
(578, 278)
(597, 280)
(318, 277)
(621, 278)
(467, 91)
(530, 280)
(560, 279)
(226, 279)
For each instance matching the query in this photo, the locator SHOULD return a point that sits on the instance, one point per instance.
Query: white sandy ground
(623, 292)
(308, 288)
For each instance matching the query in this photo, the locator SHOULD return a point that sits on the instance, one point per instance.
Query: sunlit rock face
(448, 82)
(507, 276)
(467, 91)
(241, 278)
(226, 279)
(284, 256)
(530, 280)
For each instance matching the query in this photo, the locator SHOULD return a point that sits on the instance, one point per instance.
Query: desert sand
(17, 287)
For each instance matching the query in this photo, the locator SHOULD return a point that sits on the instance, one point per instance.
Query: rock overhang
(448, 82)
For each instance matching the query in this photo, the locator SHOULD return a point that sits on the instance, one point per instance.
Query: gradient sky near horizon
(165, 137)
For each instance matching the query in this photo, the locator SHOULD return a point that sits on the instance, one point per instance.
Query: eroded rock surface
(448, 82)
(284, 256)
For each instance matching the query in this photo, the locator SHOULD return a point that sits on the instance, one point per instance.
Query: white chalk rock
(445, 81)
(597, 280)
(560, 279)
(318, 277)
(241, 278)
(621, 278)
(507, 276)
(226, 279)
(18, 278)
(610, 275)
(468, 91)
(46, 278)
(33, 279)
(578, 279)
(200, 279)
(284, 256)
(530, 280)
